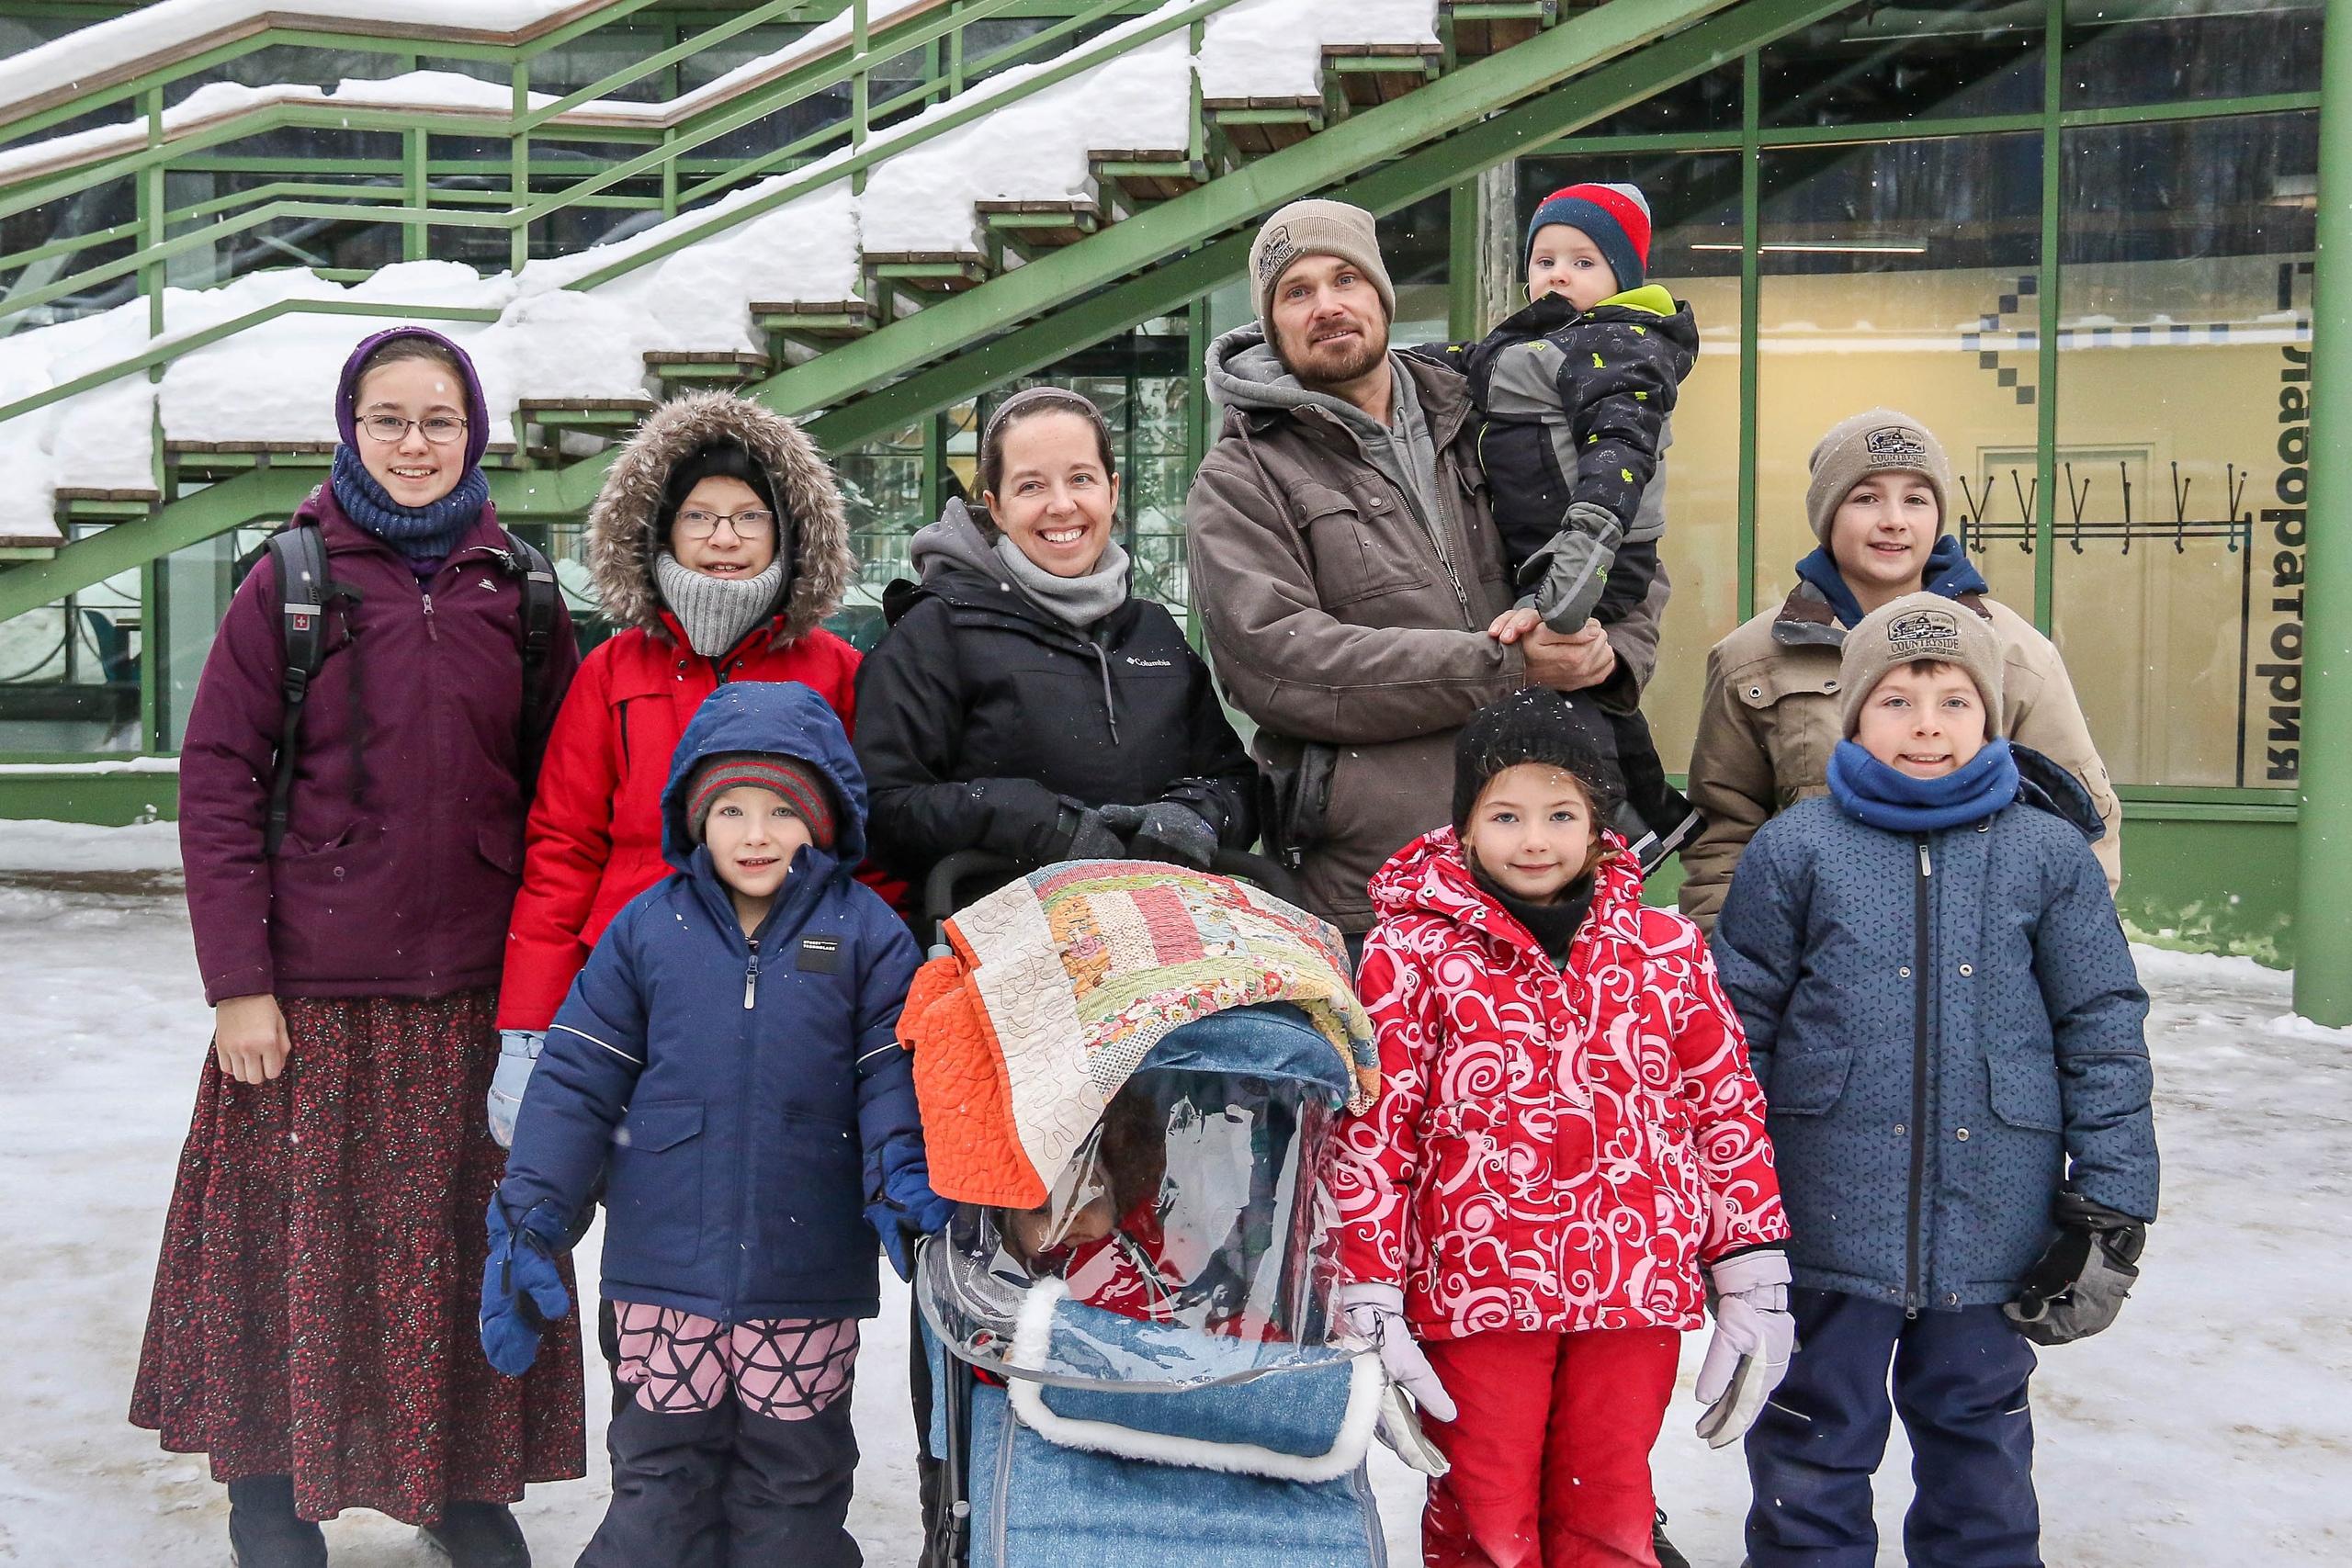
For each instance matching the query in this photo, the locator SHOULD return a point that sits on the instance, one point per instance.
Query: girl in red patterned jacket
(1568, 1157)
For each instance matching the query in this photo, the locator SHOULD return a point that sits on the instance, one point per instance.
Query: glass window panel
(1875, 62)
(1709, 101)
(2162, 52)
(1901, 274)
(881, 485)
(69, 672)
(2185, 337)
(1417, 247)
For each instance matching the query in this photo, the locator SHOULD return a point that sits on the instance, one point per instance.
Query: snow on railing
(566, 327)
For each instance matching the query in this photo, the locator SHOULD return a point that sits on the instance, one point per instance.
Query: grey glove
(518, 1052)
(1165, 831)
(1089, 836)
(1568, 573)
(2077, 1286)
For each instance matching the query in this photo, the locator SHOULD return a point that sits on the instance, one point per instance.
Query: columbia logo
(1151, 663)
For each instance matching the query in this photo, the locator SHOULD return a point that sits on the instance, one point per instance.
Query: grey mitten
(1089, 836)
(1174, 833)
(518, 1052)
(1569, 572)
(2079, 1284)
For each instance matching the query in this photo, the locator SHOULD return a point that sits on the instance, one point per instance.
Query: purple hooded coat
(404, 842)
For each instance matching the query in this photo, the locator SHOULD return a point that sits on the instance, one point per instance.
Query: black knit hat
(1537, 725)
(723, 460)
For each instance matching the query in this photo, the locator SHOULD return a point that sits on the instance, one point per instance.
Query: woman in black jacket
(1024, 701)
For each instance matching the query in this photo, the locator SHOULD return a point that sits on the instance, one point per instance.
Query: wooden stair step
(82, 503)
(707, 367)
(1481, 27)
(1366, 75)
(1146, 174)
(814, 323)
(596, 415)
(1041, 225)
(221, 459)
(929, 272)
(1255, 127)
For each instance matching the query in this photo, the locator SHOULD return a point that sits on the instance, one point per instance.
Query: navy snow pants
(725, 1488)
(1959, 1382)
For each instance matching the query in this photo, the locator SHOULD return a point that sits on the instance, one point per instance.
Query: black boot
(477, 1535)
(265, 1531)
(1667, 1556)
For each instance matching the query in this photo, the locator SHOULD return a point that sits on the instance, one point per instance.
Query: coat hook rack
(2076, 502)
(2125, 469)
(2180, 510)
(2025, 506)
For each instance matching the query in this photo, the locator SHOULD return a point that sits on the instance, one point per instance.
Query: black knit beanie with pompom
(1537, 725)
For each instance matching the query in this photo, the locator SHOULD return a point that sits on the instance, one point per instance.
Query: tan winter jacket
(1769, 721)
(1338, 619)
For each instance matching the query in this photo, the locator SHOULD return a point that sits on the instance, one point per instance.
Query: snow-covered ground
(2211, 1426)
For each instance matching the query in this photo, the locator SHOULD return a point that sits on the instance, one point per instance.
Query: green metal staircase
(922, 329)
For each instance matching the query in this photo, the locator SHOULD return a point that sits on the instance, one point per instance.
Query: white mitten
(1376, 1315)
(518, 1052)
(1754, 1337)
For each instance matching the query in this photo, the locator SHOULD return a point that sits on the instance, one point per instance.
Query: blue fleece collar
(1948, 572)
(1869, 791)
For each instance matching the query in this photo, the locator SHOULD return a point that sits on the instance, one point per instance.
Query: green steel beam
(1602, 50)
(2047, 287)
(1751, 285)
(1597, 43)
(2324, 836)
(264, 492)
(1321, 164)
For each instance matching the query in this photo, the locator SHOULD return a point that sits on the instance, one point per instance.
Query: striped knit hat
(801, 786)
(1615, 218)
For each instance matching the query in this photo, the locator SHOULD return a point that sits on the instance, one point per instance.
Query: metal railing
(842, 147)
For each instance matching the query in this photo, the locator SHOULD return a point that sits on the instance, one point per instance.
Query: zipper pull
(432, 629)
(751, 976)
(1926, 866)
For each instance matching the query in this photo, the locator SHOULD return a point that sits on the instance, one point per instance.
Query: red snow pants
(1551, 1450)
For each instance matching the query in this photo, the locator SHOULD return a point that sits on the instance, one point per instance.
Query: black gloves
(2079, 1284)
(1086, 836)
(1164, 830)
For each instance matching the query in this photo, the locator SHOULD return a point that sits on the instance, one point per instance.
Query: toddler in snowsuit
(728, 1057)
(1945, 1016)
(1574, 394)
(1566, 1159)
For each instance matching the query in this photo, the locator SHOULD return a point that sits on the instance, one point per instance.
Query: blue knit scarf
(1949, 572)
(1870, 791)
(424, 534)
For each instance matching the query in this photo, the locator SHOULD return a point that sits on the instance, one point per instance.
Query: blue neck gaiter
(1948, 572)
(424, 534)
(1869, 791)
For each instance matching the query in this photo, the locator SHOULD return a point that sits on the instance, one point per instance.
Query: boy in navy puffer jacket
(728, 1058)
(1945, 1017)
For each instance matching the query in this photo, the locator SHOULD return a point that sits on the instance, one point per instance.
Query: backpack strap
(541, 595)
(299, 556)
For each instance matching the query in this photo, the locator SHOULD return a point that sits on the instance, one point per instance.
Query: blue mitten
(909, 1209)
(522, 1291)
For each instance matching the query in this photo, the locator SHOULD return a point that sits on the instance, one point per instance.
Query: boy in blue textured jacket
(729, 1059)
(1949, 1032)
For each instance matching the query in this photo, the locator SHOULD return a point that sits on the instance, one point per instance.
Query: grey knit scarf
(1075, 601)
(717, 611)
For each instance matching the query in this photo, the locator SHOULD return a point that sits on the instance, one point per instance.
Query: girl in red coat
(1566, 1159)
(718, 543)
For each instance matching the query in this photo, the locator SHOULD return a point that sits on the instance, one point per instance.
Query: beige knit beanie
(1873, 442)
(1919, 625)
(1316, 228)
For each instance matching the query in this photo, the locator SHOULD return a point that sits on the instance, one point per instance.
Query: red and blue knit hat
(800, 785)
(1616, 218)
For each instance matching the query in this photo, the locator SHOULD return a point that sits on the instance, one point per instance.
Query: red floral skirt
(315, 1304)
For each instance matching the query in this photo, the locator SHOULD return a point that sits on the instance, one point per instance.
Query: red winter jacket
(1550, 1151)
(595, 839)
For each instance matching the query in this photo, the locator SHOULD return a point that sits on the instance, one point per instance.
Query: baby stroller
(1130, 1076)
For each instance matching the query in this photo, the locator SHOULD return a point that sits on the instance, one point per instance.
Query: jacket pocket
(1351, 562)
(2025, 1093)
(503, 848)
(1808, 1083)
(1796, 709)
(655, 1198)
(814, 1226)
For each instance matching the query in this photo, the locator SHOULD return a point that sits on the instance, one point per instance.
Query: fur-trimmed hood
(622, 541)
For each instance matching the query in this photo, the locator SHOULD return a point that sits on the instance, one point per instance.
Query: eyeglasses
(753, 525)
(441, 429)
